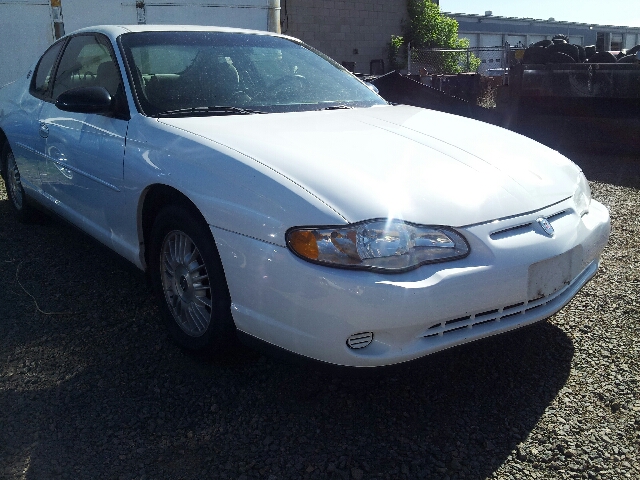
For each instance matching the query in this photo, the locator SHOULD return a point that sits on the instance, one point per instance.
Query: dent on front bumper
(502, 285)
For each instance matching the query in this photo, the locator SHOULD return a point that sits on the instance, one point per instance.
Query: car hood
(403, 162)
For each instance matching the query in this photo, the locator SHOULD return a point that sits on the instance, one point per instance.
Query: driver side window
(86, 62)
(42, 77)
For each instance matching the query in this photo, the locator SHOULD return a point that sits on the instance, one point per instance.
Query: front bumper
(515, 275)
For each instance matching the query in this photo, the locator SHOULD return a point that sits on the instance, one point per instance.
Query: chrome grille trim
(515, 230)
(523, 227)
(556, 216)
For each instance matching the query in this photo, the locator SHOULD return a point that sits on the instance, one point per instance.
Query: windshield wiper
(207, 111)
(337, 107)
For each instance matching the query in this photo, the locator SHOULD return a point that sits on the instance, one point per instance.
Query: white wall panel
(26, 26)
(537, 38)
(631, 40)
(576, 39)
(490, 40)
(86, 13)
(517, 40)
(227, 13)
(472, 37)
(26, 29)
(208, 14)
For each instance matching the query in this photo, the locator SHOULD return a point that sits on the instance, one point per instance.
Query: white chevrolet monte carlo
(270, 194)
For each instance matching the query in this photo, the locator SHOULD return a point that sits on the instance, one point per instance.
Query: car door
(83, 170)
(27, 143)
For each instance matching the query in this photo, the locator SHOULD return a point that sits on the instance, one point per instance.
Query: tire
(602, 57)
(565, 48)
(188, 280)
(542, 43)
(535, 56)
(559, 58)
(15, 193)
(628, 59)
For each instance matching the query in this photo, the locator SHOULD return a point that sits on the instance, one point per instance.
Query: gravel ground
(91, 387)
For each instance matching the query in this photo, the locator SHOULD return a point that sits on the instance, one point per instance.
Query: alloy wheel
(185, 283)
(14, 186)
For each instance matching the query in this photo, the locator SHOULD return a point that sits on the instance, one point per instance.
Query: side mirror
(638, 54)
(85, 100)
(372, 87)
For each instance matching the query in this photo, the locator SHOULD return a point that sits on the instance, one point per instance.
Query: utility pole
(273, 22)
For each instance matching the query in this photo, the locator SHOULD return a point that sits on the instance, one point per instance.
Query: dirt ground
(92, 387)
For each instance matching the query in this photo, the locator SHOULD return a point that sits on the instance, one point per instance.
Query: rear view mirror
(372, 87)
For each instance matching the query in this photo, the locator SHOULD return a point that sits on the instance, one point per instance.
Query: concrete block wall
(347, 31)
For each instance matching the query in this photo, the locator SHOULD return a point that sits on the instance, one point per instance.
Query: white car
(271, 194)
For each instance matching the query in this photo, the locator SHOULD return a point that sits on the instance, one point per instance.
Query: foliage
(468, 62)
(429, 28)
(395, 49)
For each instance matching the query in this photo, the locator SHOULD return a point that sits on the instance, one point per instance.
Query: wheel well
(155, 199)
(3, 140)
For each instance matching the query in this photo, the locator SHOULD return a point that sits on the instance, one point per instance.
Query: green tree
(429, 28)
(395, 51)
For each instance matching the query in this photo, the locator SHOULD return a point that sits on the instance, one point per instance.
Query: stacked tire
(630, 55)
(559, 50)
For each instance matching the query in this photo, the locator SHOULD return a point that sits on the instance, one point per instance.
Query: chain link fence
(489, 61)
(439, 68)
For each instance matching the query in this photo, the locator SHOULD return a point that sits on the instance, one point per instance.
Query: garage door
(517, 40)
(490, 40)
(27, 26)
(25, 32)
(228, 13)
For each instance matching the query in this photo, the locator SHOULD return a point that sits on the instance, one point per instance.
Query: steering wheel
(289, 84)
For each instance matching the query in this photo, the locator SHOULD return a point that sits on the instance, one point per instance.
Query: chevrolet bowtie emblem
(546, 226)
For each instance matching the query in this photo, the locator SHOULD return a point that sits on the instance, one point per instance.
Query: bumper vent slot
(513, 314)
(360, 340)
(490, 316)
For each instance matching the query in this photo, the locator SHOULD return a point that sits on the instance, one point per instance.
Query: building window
(600, 42)
(616, 41)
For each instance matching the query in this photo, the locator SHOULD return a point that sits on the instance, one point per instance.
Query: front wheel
(187, 276)
(13, 185)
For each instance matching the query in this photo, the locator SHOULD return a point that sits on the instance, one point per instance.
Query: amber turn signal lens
(304, 243)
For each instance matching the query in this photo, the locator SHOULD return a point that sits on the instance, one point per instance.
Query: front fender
(233, 191)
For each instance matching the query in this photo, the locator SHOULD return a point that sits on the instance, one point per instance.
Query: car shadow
(621, 169)
(91, 386)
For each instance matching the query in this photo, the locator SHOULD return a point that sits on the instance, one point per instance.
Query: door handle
(44, 130)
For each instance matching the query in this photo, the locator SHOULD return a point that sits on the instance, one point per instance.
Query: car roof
(117, 30)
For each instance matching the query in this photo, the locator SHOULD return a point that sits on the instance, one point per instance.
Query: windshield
(182, 71)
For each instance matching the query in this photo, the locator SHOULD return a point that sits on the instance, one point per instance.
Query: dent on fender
(435, 278)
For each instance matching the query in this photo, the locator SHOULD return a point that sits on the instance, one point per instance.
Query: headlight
(582, 195)
(389, 246)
